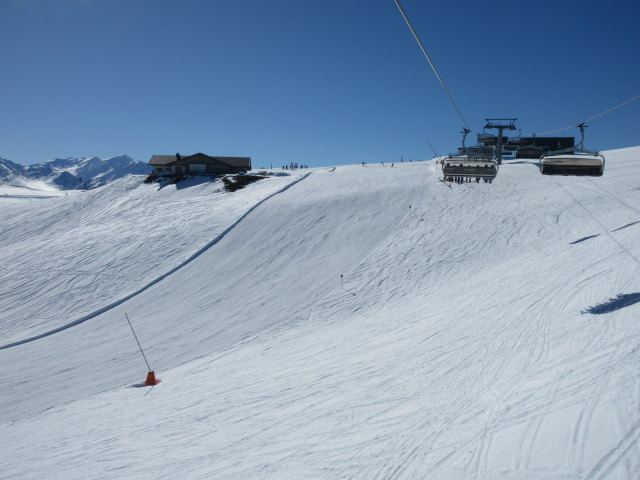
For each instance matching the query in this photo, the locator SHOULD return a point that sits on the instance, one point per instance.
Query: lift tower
(500, 124)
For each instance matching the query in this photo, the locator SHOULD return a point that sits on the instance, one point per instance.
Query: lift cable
(415, 35)
(435, 152)
(611, 109)
(590, 118)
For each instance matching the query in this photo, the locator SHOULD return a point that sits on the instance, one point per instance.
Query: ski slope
(70, 257)
(480, 331)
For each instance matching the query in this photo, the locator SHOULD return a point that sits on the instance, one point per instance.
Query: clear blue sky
(321, 82)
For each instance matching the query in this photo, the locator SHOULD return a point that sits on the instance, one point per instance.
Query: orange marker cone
(151, 379)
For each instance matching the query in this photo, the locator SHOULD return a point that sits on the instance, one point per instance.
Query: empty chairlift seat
(573, 164)
(573, 161)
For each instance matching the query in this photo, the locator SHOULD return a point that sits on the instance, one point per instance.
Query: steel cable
(590, 118)
(426, 54)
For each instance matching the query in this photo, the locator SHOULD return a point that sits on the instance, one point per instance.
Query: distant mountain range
(70, 173)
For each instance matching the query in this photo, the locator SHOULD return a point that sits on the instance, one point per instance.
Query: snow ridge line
(158, 279)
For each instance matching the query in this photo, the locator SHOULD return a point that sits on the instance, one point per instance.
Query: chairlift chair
(471, 162)
(528, 150)
(577, 164)
(573, 161)
(469, 167)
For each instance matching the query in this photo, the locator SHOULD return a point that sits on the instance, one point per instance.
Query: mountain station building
(198, 164)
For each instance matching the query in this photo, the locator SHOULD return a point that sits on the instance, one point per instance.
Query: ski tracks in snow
(455, 350)
(531, 334)
(616, 454)
(158, 279)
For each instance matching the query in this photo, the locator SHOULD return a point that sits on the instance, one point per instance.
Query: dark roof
(162, 160)
(166, 160)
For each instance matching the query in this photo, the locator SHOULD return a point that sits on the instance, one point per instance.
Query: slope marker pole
(151, 376)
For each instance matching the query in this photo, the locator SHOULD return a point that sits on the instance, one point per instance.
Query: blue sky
(320, 82)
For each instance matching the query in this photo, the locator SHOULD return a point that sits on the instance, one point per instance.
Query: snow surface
(29, 188)
(481, 331)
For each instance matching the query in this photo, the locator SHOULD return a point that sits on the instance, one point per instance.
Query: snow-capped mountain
(9, 168)
(71, 173)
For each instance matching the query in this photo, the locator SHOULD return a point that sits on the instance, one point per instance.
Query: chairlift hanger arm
(465, 132)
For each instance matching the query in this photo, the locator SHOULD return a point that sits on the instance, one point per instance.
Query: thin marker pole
(136, 337)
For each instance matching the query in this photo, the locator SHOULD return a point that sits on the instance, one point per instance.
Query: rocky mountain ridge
(73, 173)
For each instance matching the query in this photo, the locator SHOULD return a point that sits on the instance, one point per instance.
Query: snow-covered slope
(72, 255)
(489, 331)
(71, 173)
(8, 190)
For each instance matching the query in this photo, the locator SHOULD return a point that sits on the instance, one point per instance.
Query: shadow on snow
(613, 304)
(584, 238)
(626, 226)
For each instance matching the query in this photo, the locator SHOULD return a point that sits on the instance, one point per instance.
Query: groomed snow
(73, 256)
(489, 331)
